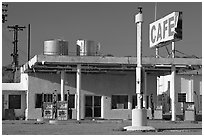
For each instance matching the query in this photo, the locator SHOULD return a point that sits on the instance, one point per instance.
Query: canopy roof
(159, 66)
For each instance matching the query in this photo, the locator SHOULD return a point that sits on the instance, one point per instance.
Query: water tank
(55, 47)
(87, 48)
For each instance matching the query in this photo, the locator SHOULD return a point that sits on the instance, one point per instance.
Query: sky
(110, 23)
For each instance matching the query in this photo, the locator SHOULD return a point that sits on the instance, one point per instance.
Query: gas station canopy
(159, 66)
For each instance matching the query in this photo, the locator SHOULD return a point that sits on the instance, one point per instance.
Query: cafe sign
(165, 30)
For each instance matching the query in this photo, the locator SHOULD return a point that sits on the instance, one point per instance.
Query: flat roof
(47, 63)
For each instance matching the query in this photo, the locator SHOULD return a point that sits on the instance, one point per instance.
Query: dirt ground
(96, 128)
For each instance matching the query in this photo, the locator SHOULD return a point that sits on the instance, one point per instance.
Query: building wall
(191, 84)
(102, 84)
(183, 84)
(5, 103)
(15, 89)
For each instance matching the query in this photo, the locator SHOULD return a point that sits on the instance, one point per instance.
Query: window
(71, 99)
(181, 97)
(39, 97)
(14, 101)
(119, 102)
(47, 97)
(38, 100)
(58, 97)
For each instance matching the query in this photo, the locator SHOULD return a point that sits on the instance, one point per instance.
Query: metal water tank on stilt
(55, 47)
(87, 48)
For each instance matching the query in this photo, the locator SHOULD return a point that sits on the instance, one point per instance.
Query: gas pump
(49, 105)
(54, 109)
(190, 111)
(47, 109)
(62, 109)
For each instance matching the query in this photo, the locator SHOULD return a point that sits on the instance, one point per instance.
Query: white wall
(16, 89)
(102, 84)
(18, 112)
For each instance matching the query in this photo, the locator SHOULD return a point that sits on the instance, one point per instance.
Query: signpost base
(139, 117)
(139, 121)
(139, 128)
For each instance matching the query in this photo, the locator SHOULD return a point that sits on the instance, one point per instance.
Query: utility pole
(15, 29)
(4, 11)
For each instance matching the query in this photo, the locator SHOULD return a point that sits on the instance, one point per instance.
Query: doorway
(92, 106)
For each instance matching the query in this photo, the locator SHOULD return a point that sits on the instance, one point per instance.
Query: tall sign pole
(138, 21)
(139, 114)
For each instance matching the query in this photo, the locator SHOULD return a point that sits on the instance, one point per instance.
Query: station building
(108, 89)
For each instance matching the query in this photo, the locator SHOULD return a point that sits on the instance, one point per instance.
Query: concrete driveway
(97, 127)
